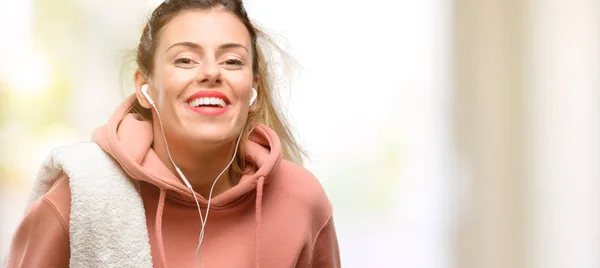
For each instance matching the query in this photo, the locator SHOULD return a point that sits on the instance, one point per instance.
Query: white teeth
(207, 101)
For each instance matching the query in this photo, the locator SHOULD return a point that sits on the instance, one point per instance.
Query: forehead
(206, 28)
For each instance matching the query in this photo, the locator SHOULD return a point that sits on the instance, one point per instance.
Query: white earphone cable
(201, 238)
(187, 183)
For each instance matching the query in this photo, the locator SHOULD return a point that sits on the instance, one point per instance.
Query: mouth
(208, 102)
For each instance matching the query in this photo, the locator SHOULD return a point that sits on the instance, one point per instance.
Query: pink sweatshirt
(278, 216)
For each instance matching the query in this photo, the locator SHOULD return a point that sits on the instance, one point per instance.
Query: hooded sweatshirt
(276, 216)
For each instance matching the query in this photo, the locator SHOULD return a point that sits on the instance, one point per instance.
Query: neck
(200, 164)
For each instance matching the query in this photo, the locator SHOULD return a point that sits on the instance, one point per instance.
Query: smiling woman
(201, 134)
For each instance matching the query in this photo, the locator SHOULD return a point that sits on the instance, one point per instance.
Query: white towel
(107, 225)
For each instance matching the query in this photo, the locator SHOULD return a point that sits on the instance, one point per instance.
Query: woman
(200, 137)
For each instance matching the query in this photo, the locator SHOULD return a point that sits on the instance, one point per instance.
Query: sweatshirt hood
(128, 139)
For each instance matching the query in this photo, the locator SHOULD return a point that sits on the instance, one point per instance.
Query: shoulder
(53, 182)
(42, 237)
(53, 185)
(58, 200)
(298, 185)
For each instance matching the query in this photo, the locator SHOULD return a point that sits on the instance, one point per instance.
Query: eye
(234, 62)
(184, 61)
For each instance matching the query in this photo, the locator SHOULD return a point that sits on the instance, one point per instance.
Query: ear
(255, 83)
(139, 80)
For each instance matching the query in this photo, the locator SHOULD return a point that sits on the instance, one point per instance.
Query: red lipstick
(205, 109)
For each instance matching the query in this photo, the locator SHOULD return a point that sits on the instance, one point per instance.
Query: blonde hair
(267, 110)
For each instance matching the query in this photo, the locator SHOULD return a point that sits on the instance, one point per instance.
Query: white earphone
(203, 220)
(254, 95)
(145, 93)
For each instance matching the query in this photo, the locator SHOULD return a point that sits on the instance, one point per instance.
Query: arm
(326, 252)
(41, 239)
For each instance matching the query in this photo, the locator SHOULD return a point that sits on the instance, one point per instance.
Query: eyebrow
(196, 46)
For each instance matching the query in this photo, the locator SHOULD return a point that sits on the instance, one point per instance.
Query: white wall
(564, 124)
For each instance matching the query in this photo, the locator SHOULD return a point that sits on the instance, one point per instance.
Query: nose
(210, 74)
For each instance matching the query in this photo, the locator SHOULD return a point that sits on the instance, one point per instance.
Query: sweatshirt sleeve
(41, 239)
(326, 252)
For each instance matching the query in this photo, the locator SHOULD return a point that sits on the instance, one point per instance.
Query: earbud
(254, 95)
(145, 93)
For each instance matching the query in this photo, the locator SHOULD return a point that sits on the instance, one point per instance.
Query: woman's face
(202, 77)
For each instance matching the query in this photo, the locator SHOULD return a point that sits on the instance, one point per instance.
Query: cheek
(241, 84)
(172, 81)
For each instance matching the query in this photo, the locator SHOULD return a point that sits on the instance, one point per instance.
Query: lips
(208, 102)
(208, 94)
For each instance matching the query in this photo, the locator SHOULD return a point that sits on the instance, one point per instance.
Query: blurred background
(446, 133)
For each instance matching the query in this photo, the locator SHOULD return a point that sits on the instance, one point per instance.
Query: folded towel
(107, 225)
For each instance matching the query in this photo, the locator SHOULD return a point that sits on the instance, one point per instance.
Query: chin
(215, 135)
